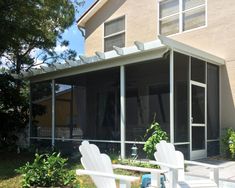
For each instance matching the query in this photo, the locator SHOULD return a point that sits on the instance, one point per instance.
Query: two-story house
(171, 61)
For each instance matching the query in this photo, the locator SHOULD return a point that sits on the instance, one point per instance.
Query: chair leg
(125, 184)
(214, 175)
(155, 180)
(174, 178)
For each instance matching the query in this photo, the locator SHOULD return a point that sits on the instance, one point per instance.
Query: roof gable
(90, 12)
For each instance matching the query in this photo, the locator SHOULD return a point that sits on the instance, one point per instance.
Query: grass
(9, 161)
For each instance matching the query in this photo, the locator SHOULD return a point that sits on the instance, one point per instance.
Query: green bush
(154, 135)
(228, 143)
(47, 170)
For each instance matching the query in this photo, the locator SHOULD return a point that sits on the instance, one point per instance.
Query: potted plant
(47, 170)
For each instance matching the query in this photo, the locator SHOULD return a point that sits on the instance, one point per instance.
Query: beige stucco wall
(218, 38)
(141, 17)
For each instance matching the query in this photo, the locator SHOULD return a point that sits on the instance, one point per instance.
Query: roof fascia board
(105, 64)
(90, 12)
(191, 51)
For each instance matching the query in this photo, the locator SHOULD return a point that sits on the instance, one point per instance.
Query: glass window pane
(168, 7)
(181, 78)
(169, 25)
(194, 18)
(114, 26)
(212, 101)
(117, 40)
(198, 138)
(187, 4)
(198, 105)
(198, 68)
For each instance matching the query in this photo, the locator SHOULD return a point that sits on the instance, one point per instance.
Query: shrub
(154, 135)
(228, 143)
(47, 170)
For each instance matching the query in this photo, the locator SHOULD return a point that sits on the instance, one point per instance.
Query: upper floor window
(176, 16)
(114, 34)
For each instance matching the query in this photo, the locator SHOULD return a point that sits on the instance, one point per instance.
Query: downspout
(82, 30)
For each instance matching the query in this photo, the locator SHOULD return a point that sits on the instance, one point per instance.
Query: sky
(73, 35)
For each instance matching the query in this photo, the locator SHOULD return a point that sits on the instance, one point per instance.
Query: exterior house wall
(217, 38)
(62, 112)
(140, 17)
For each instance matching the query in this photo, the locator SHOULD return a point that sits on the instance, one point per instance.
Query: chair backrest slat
(93, 160)
(166, 153)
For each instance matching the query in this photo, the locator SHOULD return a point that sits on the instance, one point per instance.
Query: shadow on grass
(9, 161)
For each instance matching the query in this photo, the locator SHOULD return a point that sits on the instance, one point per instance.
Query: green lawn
(9, 161)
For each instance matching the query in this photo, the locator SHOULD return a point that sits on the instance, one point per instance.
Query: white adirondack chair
(169, 159)
(99, 167)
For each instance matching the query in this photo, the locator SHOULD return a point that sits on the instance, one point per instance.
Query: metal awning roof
(117, 57)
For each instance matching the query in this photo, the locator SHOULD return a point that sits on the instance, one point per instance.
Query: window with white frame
(176, 16)
(114, 33)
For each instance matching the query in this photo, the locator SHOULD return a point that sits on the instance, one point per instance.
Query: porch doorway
(198, 135)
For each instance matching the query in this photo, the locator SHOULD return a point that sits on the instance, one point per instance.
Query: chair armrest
(140, 169)
(214, 170)
(166, 165)
(107, 175)
(202, 164)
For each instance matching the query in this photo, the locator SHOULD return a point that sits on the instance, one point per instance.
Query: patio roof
(118, 56)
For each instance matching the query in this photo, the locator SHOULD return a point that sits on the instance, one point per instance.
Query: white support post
(30, 115)
(123, 111)
(53, 115)
(172, 96)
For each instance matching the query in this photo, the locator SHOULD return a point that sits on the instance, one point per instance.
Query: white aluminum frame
(53, 109)
(171, 71)
(196, 154)
(122, 111)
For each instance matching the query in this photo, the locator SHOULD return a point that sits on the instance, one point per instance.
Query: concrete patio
(227, 171)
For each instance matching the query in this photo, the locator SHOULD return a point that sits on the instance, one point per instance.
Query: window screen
(114, 26)
(117, 40)
(194, 18)
(114, 34)
(181, 15)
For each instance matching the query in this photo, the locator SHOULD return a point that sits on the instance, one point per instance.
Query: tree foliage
(14, 108)
(28, 25)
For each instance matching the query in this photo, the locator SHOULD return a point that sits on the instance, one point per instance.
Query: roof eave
(81, 22)
(189, 50)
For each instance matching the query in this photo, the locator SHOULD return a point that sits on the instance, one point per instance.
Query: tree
(14, 108)
(28, 25)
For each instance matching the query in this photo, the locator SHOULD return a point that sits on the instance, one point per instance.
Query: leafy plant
(47, 170)
(228, 142)
(154, 135)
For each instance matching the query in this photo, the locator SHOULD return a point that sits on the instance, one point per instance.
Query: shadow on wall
(102, 15)
(227, 95)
